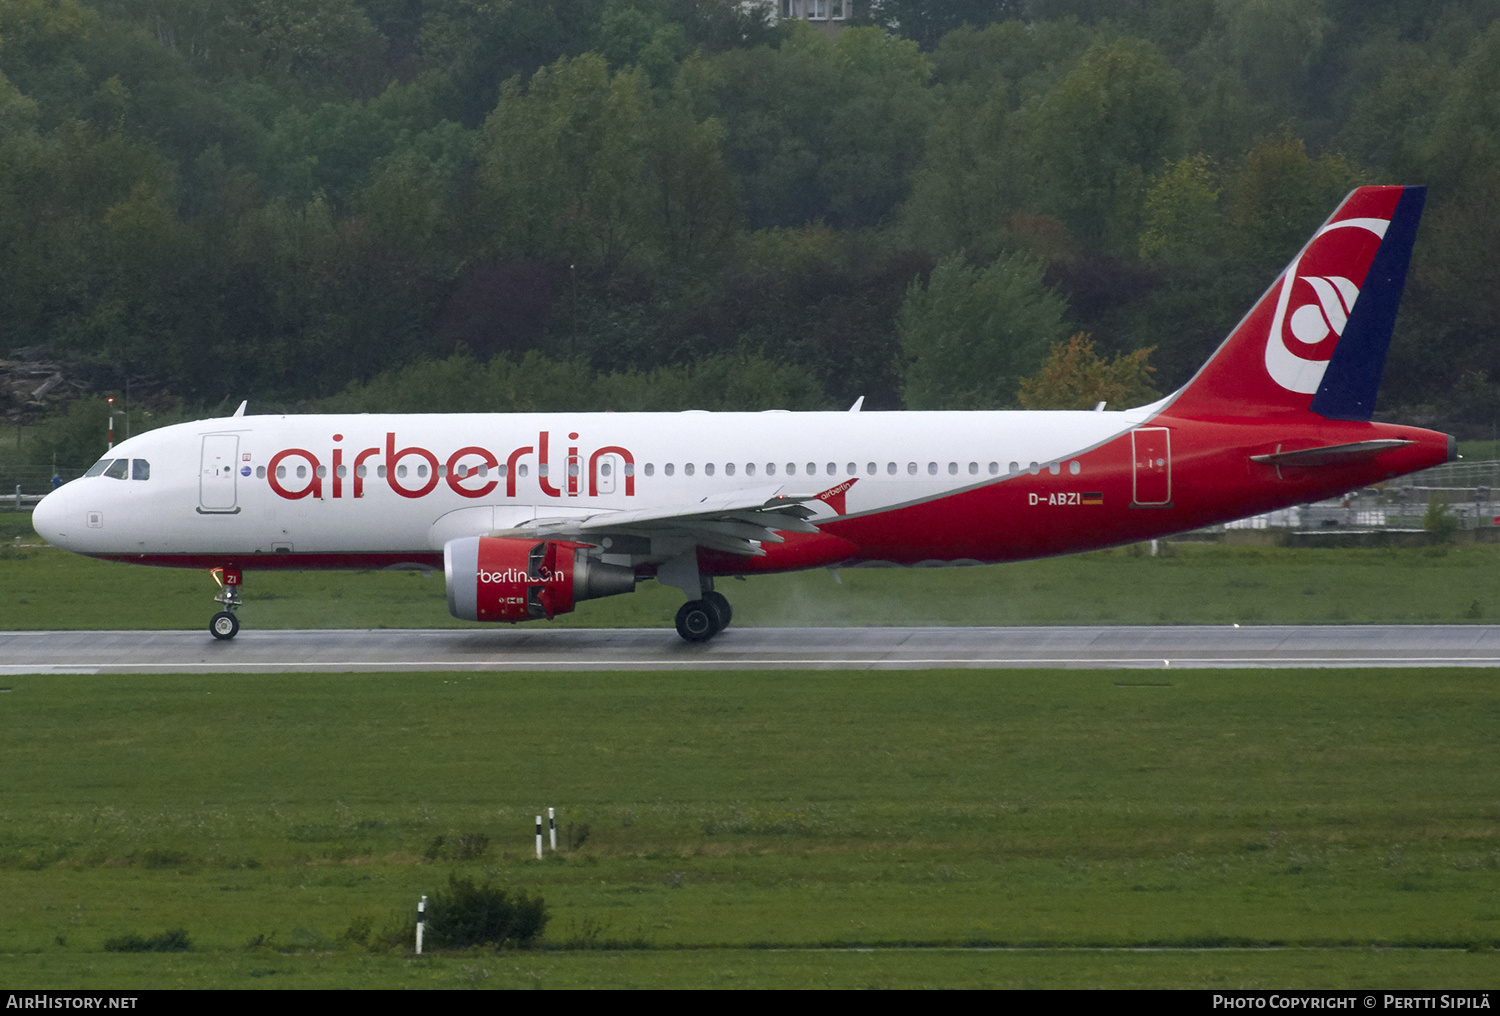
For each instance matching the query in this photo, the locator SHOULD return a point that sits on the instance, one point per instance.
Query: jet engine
(493, 578)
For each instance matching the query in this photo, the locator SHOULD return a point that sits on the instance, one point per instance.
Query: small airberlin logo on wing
(1317, 296)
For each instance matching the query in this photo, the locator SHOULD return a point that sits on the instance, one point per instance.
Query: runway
(564, 649)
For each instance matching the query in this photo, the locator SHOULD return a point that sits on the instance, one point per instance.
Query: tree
(1093, 137)
(1181, 212)
(562, 163)
(925, 22)
(1274, 44)
(1076, 377)
(820, 130)
(1281, 195)
(971, 334)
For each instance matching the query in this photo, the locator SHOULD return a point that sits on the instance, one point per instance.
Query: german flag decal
(1093, 497)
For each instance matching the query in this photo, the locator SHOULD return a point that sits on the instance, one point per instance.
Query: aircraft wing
(736, 522)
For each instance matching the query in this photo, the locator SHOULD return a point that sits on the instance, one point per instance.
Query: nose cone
(48, 518)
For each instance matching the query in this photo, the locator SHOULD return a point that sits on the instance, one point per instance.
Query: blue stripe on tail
(1358, 361)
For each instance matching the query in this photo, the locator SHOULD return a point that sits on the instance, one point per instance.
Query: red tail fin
(1316, 341)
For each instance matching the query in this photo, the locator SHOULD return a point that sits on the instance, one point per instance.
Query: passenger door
(216, 478)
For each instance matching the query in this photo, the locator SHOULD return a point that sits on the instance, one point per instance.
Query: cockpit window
(118, 468)
(98, 467)
(140, 469)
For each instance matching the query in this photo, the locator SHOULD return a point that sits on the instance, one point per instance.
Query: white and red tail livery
(527, 514)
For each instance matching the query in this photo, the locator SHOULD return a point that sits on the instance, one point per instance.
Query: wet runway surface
(498, 649)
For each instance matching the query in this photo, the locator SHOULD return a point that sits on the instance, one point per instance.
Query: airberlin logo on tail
(1317, 296)
(472, 471)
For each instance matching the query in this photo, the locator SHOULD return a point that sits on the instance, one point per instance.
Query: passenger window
(932, 469)
(260, 472)
(281, 472)
(117, 469)
(650, 469)
(98, 467)
(708, 469)
(770, 469)
(1074, 467)
(379, 472)
(140, 469)
(604, 469)
(688, 469)
(995, 468)
(953, 469)
(973, 469)
(668, 469)
(812, 469)
(729, 469)
(791, 469)
(749, 469)
(911, 469)
(832, 468)
(871, 468)
(853, 469)
(890, 468)
(1054, 468)
(1015, 467)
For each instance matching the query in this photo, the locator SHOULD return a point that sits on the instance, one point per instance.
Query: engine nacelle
(493, 578)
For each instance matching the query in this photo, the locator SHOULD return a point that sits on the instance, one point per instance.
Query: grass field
(734, 826)
(41, 587)
(1024, 828)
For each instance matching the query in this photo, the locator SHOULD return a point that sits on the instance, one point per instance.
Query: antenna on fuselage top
(241, 411)
(857, 403)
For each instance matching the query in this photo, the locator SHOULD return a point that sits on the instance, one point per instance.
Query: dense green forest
(432, 204)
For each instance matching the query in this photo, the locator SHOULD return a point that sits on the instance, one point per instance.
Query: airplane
(528, 514)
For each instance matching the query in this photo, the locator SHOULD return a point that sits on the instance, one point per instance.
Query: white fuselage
(190, 505)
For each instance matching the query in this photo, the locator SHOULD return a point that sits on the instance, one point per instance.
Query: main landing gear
(701, 620)
(224, 625)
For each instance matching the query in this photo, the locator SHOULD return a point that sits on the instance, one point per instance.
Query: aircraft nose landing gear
(224, 625)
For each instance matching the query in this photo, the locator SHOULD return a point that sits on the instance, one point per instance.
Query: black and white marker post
(539, 837)
(552, 828)
(421, 921)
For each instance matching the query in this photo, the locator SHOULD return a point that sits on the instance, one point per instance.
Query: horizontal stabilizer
(1331, 455)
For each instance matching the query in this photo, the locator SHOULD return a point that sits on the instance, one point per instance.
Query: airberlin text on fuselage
(461, 470)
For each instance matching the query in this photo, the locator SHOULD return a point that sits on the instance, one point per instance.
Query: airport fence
(21, 487)
(1469, 490)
